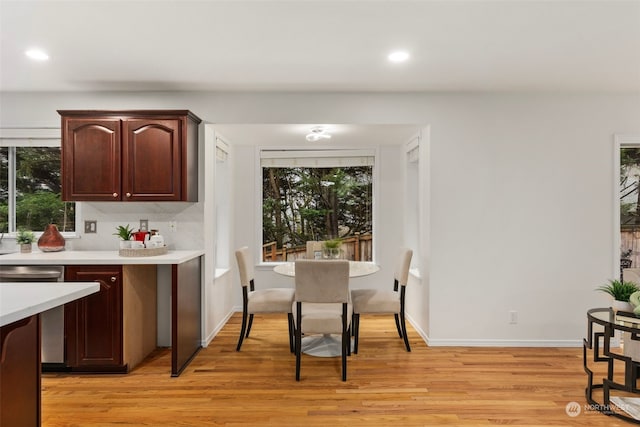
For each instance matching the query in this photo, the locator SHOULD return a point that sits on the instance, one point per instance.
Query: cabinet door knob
(128, 194)
(113, 278)
(115, 194)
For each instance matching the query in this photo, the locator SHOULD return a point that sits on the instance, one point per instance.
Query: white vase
(125, 244)
(621, 306)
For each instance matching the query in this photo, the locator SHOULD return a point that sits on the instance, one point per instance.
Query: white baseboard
(218, 328)
(490, 342)
(502, 343)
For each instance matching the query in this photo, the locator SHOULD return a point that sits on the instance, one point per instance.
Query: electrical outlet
(144, 225)
(513, 317)
(91, 226)
(173, 226)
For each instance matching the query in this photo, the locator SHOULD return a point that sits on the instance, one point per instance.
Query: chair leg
(291, 333)
(250, 323)
(395, 315)
(346, 338)
(353, 329)
(404, 332)
(298, 346)
(346, 341)
(242, 328)
(356, 332)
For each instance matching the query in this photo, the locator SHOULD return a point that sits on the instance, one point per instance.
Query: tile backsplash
(187, 217)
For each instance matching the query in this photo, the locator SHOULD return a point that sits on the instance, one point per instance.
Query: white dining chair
(321, 304)
(384, 301)
(270, 300)
(314, 249)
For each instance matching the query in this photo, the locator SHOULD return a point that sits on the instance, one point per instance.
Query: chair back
(631, 275)
(322, 281)
(403, 262)
(313, 247)
(245, 266)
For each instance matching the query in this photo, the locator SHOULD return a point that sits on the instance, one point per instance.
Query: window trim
(31, 137)
(328, 152)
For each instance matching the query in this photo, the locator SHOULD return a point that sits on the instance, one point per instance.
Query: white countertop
(95, 257)
(21, 300)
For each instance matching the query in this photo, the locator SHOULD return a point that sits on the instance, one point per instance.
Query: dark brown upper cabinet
(134, 155)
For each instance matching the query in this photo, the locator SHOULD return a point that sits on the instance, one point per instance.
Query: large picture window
(30, 186)
(316, 195)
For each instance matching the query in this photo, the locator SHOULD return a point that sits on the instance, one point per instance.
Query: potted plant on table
(124, 232)
(25, 238)
(331, 248)
(620, 291)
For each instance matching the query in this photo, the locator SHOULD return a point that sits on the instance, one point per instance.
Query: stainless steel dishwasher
(52, 321)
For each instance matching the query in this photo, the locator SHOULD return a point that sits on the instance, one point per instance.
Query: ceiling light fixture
(317, 133)
(37, 54)
(398, 56)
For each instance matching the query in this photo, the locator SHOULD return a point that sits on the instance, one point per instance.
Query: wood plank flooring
(453, 386)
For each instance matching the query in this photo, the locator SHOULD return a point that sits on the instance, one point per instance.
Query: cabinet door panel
(152, 159)
(91, 159)
(93, 325)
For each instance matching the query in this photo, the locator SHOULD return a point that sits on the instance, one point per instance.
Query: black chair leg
(404, 332)
(356, 332)
(395, 315)
(249, 327)
(346, 338)
(346, 341)
(242, 329)
(291, 333)
(298, 346)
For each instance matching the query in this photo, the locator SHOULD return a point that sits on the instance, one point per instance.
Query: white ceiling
(321, 46)
(305, 45)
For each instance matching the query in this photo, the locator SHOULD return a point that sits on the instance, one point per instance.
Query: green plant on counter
(124, 232)
(25, 236)
(619, 290)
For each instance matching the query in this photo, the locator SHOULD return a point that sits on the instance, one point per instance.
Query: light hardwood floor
(385, 386)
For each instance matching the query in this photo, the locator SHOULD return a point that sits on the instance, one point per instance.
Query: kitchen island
(185, 289)
(20, 306)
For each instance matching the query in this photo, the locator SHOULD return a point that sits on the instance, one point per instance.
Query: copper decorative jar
(51, 240)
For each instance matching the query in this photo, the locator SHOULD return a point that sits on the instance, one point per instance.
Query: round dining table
(326, 345)
(356, 268)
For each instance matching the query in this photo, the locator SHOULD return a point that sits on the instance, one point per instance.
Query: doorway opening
(627, 201)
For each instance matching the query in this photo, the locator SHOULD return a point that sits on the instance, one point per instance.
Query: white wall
(521, 194)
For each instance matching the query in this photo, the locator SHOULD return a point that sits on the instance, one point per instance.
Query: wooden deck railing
(355, 248)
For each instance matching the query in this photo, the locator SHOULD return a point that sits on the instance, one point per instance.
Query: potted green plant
(25, 238)
(620, 291)
(331, 248)
(124, 232)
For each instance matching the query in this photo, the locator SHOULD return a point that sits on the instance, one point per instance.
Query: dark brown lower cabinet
(20, 373)
(114, 329)
(93, 325)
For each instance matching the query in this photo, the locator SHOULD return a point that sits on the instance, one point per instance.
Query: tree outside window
(35, 190)
(315, 203)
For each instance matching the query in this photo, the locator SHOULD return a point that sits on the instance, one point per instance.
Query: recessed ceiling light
(398, 56)
(37, 54)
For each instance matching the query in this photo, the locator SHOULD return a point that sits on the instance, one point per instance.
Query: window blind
(316, 158)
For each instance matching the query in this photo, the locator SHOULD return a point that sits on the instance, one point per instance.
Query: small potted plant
(25, 238)
(124, 232)
(331, 248)
(620, 291)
